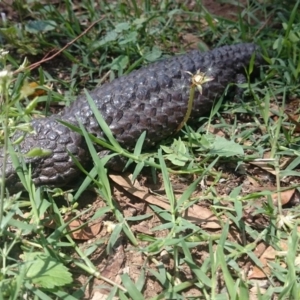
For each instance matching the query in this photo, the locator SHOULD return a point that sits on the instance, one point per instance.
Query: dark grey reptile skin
(153, 99)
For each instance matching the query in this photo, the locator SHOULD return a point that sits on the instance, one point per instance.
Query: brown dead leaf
(264, 166)
(114, 264)
(124, 181)
(204, 217)
(294, 120)
(196, 214)
(86, 232)
(285, 197)
(268, 255)
(192, 40)
(255, 290)
(253, 182)
(284, 161)
(216, 131)
(274, 110)
(142, 229)
(292, 105)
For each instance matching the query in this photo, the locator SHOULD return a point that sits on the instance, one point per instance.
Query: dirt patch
(224, 10)
(125, 258)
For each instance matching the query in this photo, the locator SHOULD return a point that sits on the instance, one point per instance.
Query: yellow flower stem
(189, 108)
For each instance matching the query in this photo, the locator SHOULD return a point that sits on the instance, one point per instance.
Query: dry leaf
(216, 131)
(253, 182)
(142, 229)
(285, 197)
(268, 255)
(114, 264)
(294, 120)
(124, 181)
(86, 232)
(265, 169)
(191, 40)
(196, 214)
(274, 110)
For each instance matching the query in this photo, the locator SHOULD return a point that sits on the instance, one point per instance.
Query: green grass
(38, 262)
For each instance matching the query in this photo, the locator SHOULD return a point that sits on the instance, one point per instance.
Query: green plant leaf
(110, 37)
(120, 62)
(45, 271)
(153, 55)
(131, 37)
(38, 26)
(122, 27)
(177, 153)
(225, 148)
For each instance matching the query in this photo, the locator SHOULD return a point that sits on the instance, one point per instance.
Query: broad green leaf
(153, 55)
(177, 153)
(38, 26)
(122, 27)
(225, 148)
(120, 62)
(45, 271)
(110, 37)
(129, 38)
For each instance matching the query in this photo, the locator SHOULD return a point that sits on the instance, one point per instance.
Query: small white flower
(4, 74)
(287, 221)
(199, 79)
(5, 80)
(110, 226)
(3, 53)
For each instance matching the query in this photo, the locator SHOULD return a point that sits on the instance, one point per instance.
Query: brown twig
(264, 24)
(35, 65)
